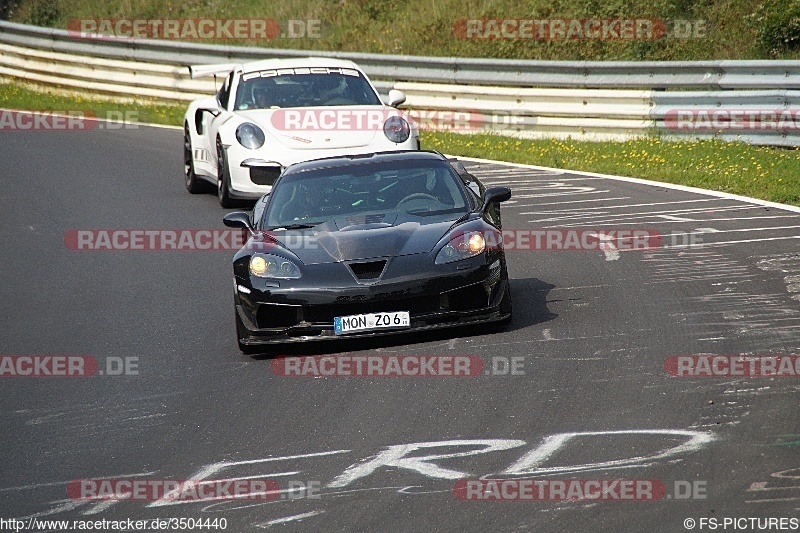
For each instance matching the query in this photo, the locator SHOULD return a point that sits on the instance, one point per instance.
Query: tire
(193, 184)
(223, 179)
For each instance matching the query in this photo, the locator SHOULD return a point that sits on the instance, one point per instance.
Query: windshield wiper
(424, 213)
(295, 226)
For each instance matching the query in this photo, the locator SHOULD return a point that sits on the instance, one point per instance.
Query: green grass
(761, 172)
(735, 29)
(768, 173)
(31, 97)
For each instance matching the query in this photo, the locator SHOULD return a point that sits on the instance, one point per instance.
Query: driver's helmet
(326, 84)
(264, 93)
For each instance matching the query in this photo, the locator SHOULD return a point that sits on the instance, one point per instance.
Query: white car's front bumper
(250, 170)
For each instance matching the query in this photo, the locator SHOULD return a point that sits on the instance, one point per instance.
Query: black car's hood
(354, 238)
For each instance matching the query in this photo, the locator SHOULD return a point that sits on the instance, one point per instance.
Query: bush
(7, 8)
(777, 23)
(41, 12)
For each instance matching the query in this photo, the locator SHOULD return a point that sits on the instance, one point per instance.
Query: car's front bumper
(480, 295)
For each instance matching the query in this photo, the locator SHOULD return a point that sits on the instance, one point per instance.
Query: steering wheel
(419, 197)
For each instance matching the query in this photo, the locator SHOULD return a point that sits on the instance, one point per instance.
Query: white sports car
(272, 113)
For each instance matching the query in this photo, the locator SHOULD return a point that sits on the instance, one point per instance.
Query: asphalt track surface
(592, 329)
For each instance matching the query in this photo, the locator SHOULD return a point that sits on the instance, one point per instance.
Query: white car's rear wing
(197, 71)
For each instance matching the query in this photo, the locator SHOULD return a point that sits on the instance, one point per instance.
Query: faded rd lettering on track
(439, 460)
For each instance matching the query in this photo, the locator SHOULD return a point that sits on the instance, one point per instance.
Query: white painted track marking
(619, 206)
(639, 181)
(292, 518)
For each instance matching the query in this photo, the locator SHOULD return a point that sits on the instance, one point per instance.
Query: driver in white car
(328, 88)
(264, 94)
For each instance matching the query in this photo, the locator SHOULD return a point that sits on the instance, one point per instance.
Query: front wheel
(223, 179)
(193, 184)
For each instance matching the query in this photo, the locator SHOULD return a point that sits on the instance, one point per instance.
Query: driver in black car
(306, 204)
(430, 186)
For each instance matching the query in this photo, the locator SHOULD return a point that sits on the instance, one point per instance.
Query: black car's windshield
(303, 87)
(411, 188)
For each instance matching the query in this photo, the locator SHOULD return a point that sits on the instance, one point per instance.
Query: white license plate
(370, 321)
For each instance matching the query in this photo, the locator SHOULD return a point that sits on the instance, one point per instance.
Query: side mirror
(396, 98)
(495, 194)
(238, 219)
(198, 117)
(213, 110)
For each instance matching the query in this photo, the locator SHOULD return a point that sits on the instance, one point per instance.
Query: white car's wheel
(223, 178)
(193, 184)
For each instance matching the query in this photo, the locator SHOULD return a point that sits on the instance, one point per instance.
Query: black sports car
(367, 245)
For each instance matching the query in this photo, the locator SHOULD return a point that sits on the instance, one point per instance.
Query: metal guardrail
(101, 75)
(711, 75)
(578, 99)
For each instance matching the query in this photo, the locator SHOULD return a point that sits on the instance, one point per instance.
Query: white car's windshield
(303, 87)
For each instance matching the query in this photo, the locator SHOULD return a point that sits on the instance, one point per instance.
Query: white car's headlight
(464, 246)
(396, 129)
(272, 266)
(250, 136)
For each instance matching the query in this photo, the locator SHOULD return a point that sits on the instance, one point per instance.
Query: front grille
(326, 313)
(264, 175)
(277, 316)
(369, 269)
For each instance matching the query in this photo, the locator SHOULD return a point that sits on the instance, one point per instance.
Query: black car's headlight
(396, 129)
(464, 246)
(250, 136)
(272, 266)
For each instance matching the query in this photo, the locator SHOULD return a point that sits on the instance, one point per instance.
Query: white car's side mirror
(396, 98)
(214, 111)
